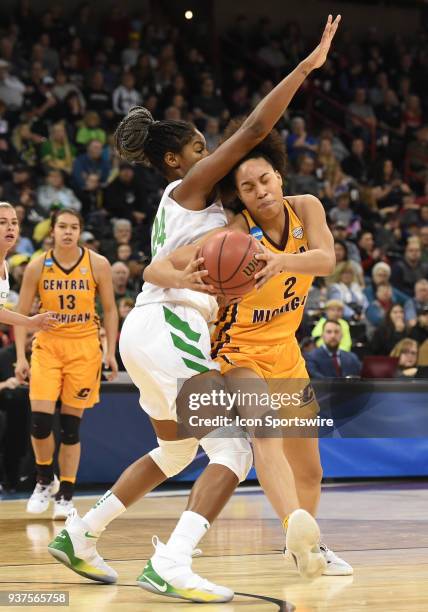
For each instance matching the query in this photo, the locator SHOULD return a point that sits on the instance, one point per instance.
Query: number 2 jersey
(272, 314)
(70, 294)
(175, 226)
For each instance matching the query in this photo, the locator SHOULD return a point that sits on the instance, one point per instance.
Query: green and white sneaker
(75, 547)
(172, 576)
(302, 539)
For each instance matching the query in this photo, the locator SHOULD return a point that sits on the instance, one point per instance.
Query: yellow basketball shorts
(66, 368)
(283, 369)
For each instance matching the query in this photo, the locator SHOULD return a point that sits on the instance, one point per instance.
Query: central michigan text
(66, 285)
(263, 315)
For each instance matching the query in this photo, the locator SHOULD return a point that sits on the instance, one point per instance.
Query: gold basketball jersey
(279, 303)
(70, 294)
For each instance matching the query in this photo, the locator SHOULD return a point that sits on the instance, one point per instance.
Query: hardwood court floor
(382, 530)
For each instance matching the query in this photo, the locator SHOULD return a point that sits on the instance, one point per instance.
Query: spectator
(389, 189)
(341, 251)
(357, 164)
(370, 255)
(340, 233)
(55, 193)
(381, 274)
(407, 352)
(305, 180)
(410, 269)
(212, 133)
(11, 88)
(420, 331)
(91, 162)
(130, 55)
(326, 159)
(124, 197)
(346, 288)
(98, 99)
(412, 114)
(125, 96)
(377, 308)
(120, 274)
(122, 234)
(334, 312)
(342, 211)
(363, 119)
(299, 142)
(389, 332)
(423, 237)
(26, 144)
(90, 130)
(58, 153)
(420, 301)
(329, 361)
(208, 104)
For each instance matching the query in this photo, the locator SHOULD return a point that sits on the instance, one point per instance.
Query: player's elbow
(328, 264)
(254, 130)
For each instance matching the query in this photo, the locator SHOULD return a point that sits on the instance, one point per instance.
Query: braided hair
(141, 139)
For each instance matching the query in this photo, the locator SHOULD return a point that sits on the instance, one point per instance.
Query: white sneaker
(75, 546)
(172, 576)
(41, 496)
(62, 508)
(335, 565)
(302, 539)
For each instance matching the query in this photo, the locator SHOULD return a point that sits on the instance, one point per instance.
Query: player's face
(191, 153)
(259, 187)
(66, 232)
(9, 228)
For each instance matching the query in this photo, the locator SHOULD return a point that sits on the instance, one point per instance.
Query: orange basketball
(230, 260)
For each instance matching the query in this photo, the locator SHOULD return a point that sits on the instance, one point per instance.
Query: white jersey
(4, 285)
(173, 227)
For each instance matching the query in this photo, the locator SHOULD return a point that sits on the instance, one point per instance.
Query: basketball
(230, 260)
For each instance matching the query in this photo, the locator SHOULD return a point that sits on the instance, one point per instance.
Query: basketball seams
(236, 270)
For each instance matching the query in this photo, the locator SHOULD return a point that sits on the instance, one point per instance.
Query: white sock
(104, 512)
(188, 532)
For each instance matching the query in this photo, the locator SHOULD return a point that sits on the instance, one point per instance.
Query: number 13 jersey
(70, 294)
(272, 314)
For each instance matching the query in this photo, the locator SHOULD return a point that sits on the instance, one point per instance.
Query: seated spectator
(377, 308)
(328, 360)
(92, 199)
(381, 274)
(208, 103)
(326, 160)
(55, 193)
(369, 253)
(341, 183)
(333, 312)
(124, 197)
(408, 353)
(212, 133)
(125, 96)
(416, 155)
(389, 113)
(305, 180)
(389, 332)
(341, 251)
(357, 163)
(389, 189)
(423, 237)
(418, 302)
(363, 119)
(340, 234)
(122, 234)
(342, 211)
(299, 142)
(120, 275)
(11, 88)
(412, 114)
(91, 162)
(27, 144)
(58, 153)
(307, 345)
(90, 130)
(420, 331)
(98, 98)
(346, 288)
(406, 272)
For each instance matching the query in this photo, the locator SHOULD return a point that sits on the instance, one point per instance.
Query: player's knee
(41, 425)
(70, 426)
(172, 456)
(233, 453)
(310, 476)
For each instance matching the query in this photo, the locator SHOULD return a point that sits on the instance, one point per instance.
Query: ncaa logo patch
(83, 270)
(298, 232)
(49, 263)
(256, 233)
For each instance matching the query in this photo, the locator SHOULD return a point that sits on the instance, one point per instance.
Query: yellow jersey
(70, 294)
(272, 314)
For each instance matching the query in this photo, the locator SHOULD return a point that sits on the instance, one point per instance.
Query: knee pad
(41, 425)
(233, 453)
(70, 425)
(172, 456)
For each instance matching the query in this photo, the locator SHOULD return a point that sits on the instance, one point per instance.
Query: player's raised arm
(319, 260)
(202, 178)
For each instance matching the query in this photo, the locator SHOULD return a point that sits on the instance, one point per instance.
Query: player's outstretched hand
(111, 365)
(318, 56)
(44, 321)
(274, 265)
(193, 274)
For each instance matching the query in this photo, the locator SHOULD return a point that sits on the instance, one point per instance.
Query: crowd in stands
(356, 137)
